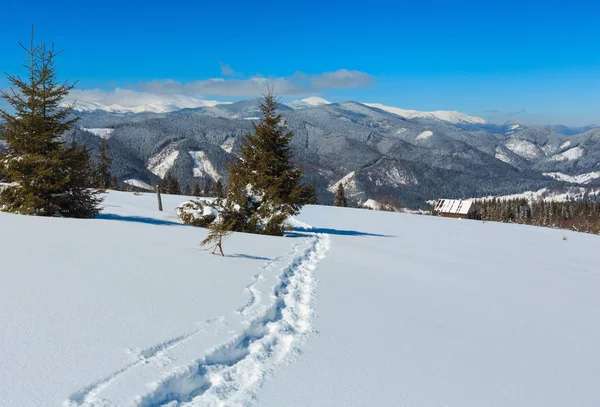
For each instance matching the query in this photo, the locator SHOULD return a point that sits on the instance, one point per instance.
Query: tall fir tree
(208, 188)
(340, 196)
(104, 179)
(196, 190)
(187, 190)
(264, 186)
(170, 185)
(50, 179)
(218, 190)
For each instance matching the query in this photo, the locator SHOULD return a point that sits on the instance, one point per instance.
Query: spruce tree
(196, 190)
(78, 202)
(170, 185)
(208, 188)
(340, 196)
(50, 178)
(104, 179)
(263, 182)
(187, 191)
(218, 190)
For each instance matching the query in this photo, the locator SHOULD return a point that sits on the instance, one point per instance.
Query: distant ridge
(446, 116)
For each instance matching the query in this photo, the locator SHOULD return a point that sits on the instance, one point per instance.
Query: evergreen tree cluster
(48, 178)
(582, 216)
(170, 185)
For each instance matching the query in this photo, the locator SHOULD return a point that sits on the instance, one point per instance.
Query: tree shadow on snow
(247, 256)
(138, 219)
(301, 232)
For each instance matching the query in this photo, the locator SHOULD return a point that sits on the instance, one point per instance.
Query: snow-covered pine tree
(340, 196)
(264, 186)
(49, 178)
(104, 179)
(78, 202)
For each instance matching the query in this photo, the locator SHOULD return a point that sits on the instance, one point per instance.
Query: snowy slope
(447, 116)
(574, 179)
(107, 306)
(426, 311)
(103, 133)
(363, 308)
(143, 103)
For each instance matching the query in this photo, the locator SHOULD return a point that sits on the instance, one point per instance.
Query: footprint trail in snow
(232, 373)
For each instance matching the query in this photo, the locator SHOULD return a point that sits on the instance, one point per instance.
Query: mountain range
(374, 150)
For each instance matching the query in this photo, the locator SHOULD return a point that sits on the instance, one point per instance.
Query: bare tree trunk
(160, 208)
(219, 246)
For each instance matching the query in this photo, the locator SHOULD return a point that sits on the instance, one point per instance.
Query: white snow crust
(352, 307)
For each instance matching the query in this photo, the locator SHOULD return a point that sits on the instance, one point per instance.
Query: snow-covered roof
(457, 206)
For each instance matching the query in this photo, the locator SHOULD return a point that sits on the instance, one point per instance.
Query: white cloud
(250, 87)
(160, 95)
(296, 85)
(341, 79)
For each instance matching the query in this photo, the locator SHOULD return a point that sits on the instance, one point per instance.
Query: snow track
(230, 374)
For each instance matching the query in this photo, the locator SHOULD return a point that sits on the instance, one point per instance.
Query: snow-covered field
(354, 307)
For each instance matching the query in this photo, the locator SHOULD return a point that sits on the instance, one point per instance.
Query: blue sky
(535, 61)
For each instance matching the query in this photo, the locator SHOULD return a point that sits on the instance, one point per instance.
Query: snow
(350, 185)
(424, 135)
(394, 178)
(525, 149)
(574, 179)
(202, 165)
(501, 155)
(569, 155)
(103, 133)
(308, 102)
(548, 195)
(566, 144)
(108, 305)
(353, 307)
(426, 311)
(138, 102)
(447, 116)
(228, 145)
(371, 204)
(161, 163)
(138, 184)
(513, 129)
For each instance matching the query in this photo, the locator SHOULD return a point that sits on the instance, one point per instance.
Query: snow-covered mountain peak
(308, 102)
(156, 106)
(443, 115)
